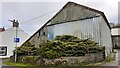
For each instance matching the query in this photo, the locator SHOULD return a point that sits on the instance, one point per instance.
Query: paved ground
(119, 58)
(0, 62)
(113, 63)
(4, 65)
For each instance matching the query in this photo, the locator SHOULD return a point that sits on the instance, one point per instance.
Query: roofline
(100, 12)
(115, 35)
(46, 23)
(12, 28)
(106, 20)
(115, 27)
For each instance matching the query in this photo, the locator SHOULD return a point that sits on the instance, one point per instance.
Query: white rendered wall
(8, 39)
(115, 31)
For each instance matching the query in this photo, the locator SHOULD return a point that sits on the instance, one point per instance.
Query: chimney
(2, 29)
(15, 23)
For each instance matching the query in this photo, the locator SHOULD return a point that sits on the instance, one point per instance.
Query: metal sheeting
(106, 36)
(88, 28)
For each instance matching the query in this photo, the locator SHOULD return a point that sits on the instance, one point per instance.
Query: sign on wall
(17, 40)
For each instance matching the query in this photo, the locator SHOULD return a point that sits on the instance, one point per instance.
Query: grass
(15, 64)
(18, 65)
(21, 65)
(108, 59)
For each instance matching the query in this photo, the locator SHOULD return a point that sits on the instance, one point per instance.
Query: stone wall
(93, 57)
(36, 60)
(39, 38)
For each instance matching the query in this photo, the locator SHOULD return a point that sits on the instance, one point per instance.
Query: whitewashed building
(77, 20)
(7, 40)
(115, 31)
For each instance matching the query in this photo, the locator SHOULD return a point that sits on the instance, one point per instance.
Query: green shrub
(67, 45)
(62, 45)
(108, 59)
(26, 49)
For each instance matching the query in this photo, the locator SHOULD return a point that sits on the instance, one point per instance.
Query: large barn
(77, 20)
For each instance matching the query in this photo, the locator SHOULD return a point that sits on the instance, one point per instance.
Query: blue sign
(17, 40)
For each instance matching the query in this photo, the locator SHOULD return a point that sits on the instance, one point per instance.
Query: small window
(39, 33)
(43, 33)
(3, 51)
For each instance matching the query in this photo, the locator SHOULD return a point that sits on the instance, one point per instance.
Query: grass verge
(15, 64)
(109, 59)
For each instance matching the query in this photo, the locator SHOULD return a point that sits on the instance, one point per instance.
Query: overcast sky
(25, 10)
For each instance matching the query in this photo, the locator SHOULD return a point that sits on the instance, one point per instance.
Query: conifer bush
(61, 46)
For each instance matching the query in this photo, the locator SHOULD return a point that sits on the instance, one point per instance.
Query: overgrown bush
(62, 45)
(67, 45)
(26, 49)
(51, 50)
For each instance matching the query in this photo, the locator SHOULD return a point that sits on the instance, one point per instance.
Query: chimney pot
(15, 23)
(2, 29)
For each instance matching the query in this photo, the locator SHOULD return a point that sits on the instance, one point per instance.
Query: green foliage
(26, 49)
(62, 45)
(20, 65)
(51, 50)
(109, 59)
(67, 45)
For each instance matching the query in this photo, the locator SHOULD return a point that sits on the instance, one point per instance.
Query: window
(41, 33)
(50, 36)
(3, 50)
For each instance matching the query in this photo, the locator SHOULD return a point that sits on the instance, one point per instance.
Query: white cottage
(7, 42)
(116, 36)
(77, 20)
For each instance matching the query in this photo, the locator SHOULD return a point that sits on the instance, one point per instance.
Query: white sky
(24, 10)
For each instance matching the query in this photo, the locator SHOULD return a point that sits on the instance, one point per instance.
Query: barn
(77, 20)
